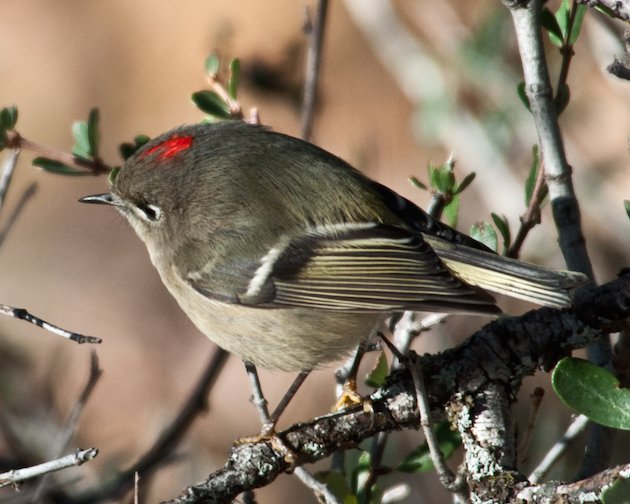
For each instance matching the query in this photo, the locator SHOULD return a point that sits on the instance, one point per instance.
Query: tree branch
(498, 356)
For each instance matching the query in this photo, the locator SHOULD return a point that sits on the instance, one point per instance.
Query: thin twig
(320, 489)
(21, 204)
(447, 478)
(564, 204)
(313, 63)
(73, 418)
(8, 167)
(97, 167)
(16, 476)
(170, 437)
(620, 10)
(136, 488)
(22, 314)
(536, 400)
(575, 429)
(531, 217)
(377, 450)
(258, 398)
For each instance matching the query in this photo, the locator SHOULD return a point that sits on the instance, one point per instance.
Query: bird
(288, 257)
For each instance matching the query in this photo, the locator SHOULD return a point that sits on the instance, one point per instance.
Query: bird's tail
(508, 276)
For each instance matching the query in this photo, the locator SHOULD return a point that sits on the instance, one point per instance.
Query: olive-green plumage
(287, 256)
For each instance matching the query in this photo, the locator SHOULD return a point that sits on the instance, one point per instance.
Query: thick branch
(499, 355)
(619, 9)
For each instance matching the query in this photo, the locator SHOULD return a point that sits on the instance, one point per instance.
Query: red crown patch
(169, 147)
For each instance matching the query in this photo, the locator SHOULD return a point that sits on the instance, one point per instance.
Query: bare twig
(97, 167)
(73, 418)
(320, 489)
(168, 440)
(71, 424)
(620, 67)
(8, 167)
(531, 217)
(21, 204)
(22, 314)
(575, 429)
(536, 400)
(315, 30)
(619, 9)
(502, 353)
(136, 488)
(268, 422)
(16, 476)
(258, 398)
(564, 203)
(452, 483)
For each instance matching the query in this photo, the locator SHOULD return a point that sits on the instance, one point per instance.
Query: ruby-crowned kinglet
(288, 257)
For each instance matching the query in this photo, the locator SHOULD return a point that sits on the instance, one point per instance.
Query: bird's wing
(349, 267)
(508, 276)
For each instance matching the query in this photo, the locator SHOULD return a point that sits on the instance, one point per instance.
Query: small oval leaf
(484, 232)
(502, 224)
(212, 65)
(376, 377)
(8, 118)
(233, 79)
(81, 147)
(419, 459)
(417, 183)
(93, 132)
(210, 103)
(592, 391)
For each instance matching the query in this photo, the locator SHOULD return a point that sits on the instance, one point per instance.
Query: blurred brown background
(402, 84)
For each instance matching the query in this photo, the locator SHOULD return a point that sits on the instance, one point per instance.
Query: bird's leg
(269, 421)
(286, 399)
(347, 377)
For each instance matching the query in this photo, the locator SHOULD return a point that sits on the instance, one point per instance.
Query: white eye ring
(149, 213)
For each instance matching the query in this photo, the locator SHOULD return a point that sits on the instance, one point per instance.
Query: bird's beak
(99, 199)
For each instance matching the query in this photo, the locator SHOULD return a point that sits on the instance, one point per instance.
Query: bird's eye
(149, 212)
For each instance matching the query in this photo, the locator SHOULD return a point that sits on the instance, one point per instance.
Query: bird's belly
(288, 339)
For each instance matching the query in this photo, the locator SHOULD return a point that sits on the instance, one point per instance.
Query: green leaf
(377, 376)
(577, 23)
(360, 474)
(562, 17)
(93, 132)
(465, 183)
(233, 79)
(8, 118)
(81, 147)
(420, 185)
(210, 103)
(530, 183)
(128, 149)
(617, 493)
(520, 91)
(212, 65)
(502, 224)
(485, 233)
(450, 213)
(563, 95)
(419, 460)
(549, 22)
(442, 178)
(57, 167)
(592, 391)
(626, 205)
(337, 484)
